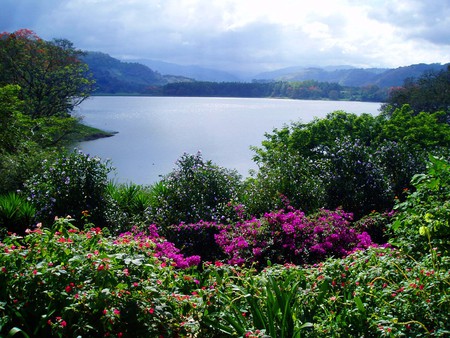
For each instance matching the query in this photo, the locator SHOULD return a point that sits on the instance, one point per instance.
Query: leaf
(359, 305)
(16, 330)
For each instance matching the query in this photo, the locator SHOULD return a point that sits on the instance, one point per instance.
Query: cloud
(245, 35)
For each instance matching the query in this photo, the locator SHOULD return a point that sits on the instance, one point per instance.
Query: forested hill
(113, 76)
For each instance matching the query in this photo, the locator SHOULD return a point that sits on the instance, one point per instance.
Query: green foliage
(372, 293)
(306, 90)
(429, 93)
(16, 213)
(52, 79)
(195, 190)
(357, 162)
(128, 205)
(422, 223)
(272, 308)
(417, 130)
(66, 282)
(68, 185)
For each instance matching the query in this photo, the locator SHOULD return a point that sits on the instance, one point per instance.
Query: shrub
(292, 237)
(278, 237)
(356, 179)
(423, 219)
(378, 292)
(195, 190)
(67, 282)
(72, 183)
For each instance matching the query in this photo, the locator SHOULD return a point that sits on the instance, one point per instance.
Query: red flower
(68, 288)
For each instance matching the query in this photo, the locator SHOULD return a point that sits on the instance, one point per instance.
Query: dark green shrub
(423, 219)
(195, 190)
(70, 184)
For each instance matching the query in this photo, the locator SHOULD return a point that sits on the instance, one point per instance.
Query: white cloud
(246, 34)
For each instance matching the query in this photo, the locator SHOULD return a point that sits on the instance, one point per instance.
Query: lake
(153, 132)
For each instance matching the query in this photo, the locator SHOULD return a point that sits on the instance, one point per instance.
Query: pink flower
(116, 312)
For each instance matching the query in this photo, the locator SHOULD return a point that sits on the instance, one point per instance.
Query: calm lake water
(153, 132)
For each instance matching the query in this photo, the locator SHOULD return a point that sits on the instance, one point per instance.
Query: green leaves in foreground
(272, 307)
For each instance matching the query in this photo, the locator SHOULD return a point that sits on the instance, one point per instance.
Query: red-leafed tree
(52, 78)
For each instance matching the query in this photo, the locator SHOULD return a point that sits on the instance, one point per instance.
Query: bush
(67, 282)
(196, 190)
(291, 237)
(277, 237)
(377, 292)
(70, 184)
(423, 219)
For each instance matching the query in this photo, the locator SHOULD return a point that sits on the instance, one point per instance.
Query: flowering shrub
(292, 237)
(195, 190)
(378, 292)
(197, 239)
(68, 185)
(67, 282)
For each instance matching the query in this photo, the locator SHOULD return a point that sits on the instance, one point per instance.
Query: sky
(245, 35)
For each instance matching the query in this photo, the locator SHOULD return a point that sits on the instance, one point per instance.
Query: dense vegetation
(342, 231)
(307, 90)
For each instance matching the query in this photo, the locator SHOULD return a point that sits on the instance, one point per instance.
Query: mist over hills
(195, 72)
(114, 76)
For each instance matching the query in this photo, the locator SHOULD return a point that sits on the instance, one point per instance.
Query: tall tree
(52, 78)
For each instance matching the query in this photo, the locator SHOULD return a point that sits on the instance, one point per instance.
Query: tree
(429, 93)
(53, 80)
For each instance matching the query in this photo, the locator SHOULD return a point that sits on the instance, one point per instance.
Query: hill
(353, 77)
(116, 77)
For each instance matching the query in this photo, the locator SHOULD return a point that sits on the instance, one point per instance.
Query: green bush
(358, 162)
(195, 190)
(68, 185)
(423, 219)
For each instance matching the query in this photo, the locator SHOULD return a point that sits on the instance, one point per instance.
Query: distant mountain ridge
(353, 77)
(114, 76)
(195, 72)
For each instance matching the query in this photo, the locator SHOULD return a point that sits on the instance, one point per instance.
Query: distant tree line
(305, 90)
